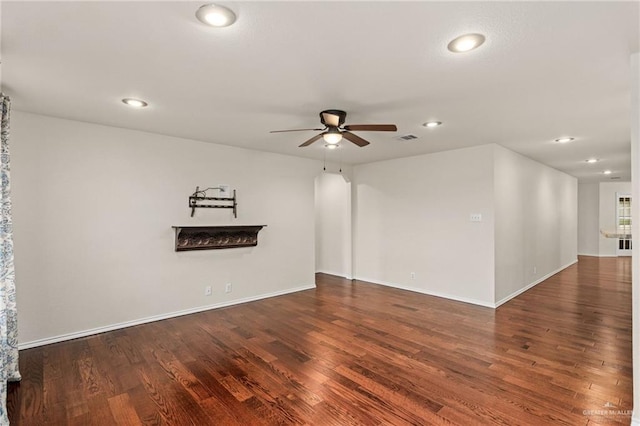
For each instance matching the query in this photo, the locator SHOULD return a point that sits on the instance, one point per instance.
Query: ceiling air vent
(615, 177)
(407, 137)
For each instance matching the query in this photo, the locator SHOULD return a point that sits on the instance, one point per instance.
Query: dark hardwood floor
(354, 353)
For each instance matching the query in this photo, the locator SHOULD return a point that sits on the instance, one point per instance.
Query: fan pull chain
(324, 160)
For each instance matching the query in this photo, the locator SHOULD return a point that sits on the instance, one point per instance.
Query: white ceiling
(547, 70)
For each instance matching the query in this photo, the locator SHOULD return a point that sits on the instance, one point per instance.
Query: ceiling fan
(334, 129)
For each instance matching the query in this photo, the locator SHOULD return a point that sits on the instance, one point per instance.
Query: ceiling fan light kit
(332, 136)
(335, 129)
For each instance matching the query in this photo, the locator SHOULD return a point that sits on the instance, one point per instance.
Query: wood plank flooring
(352, 353)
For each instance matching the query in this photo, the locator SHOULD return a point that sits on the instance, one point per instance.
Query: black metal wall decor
(216, 237)
(199, 199)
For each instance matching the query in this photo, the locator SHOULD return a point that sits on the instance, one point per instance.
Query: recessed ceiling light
(564, 140)
(592, 160)
(432, 123)
(607, 172)
(331, 146)
(215, 16)
(136, 103)
(465, 43)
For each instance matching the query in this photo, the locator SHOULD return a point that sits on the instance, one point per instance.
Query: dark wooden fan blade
(373, 127)
(293, 130)
(355, 139)
(312, 140)
(331, 119)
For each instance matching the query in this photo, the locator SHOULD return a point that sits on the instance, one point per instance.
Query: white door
(623, 222)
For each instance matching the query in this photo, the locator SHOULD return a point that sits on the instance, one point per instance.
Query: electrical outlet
(475, 217)
(535, 270)
(413, 275)
(228, 288)
(208, 290)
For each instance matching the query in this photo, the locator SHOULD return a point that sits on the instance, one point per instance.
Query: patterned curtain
(8, 312)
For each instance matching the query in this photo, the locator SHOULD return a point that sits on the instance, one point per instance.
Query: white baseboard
(337, 274)
(533, 284)
(428, 292)
(98, 330)
(602, 255)
(466, 299)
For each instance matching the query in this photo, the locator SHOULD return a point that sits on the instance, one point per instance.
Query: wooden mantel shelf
(202, 237)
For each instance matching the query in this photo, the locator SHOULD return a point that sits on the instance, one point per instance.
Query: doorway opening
(333, 225)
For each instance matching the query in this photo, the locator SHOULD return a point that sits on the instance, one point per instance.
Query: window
(624, 223)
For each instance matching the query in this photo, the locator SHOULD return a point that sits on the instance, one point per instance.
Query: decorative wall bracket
(216, 237)
(199, 200)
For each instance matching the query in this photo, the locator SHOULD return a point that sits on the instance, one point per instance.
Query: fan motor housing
(342, 115)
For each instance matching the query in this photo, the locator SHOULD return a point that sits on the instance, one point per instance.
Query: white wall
(607, 213)
(589, 219)
(635, 176)
(412, 215)
(535, 222)
(333, 224)
(93, 208)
